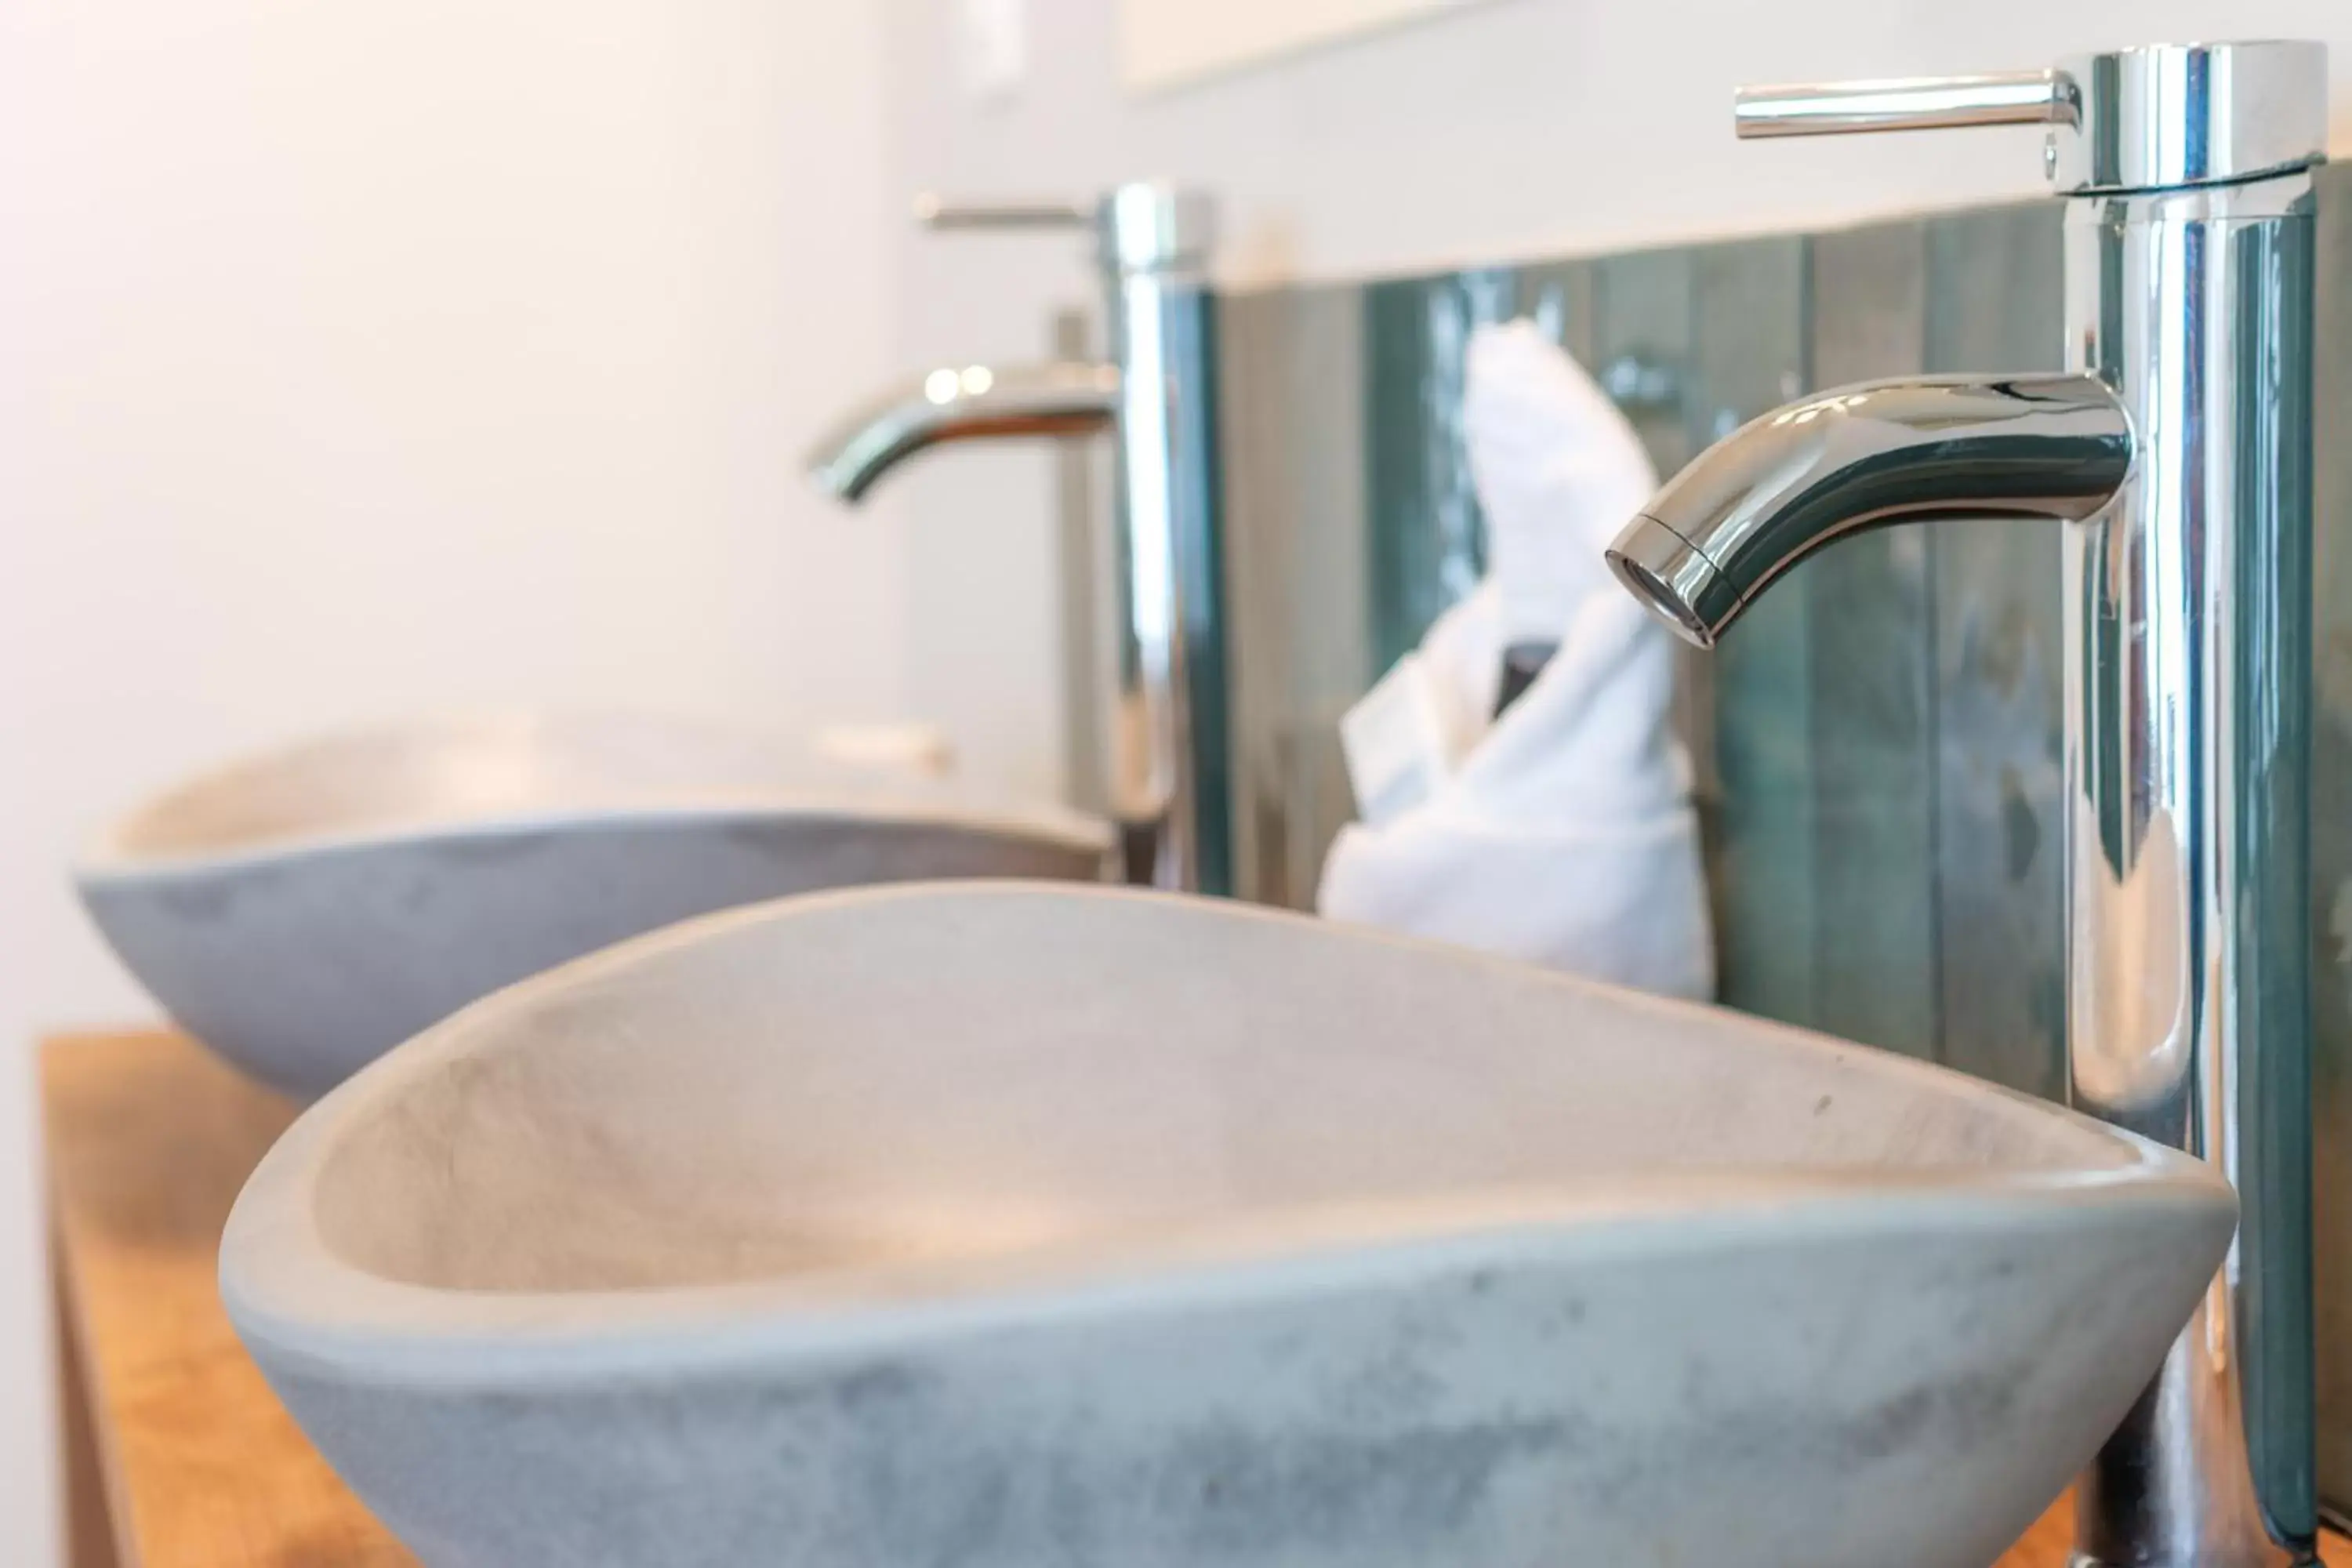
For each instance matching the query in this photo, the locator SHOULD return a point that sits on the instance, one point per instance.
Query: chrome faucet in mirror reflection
(2177, 456)
(1169, 767)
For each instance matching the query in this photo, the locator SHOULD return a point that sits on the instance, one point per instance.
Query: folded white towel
(1562, 832)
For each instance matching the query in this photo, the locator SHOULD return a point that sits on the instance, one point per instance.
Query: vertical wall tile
(1994, 303)
(1871, 646)
(1083, 508)
(1297, 575)
(1562, 298)
(1643, 312)
(1257, 438)
(1331, 658)
(2331, 834)
(1643, 309)
(1749, 355)
(1427, 536)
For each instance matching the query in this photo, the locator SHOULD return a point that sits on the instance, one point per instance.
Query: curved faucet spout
(1773, 492)
(973, 403)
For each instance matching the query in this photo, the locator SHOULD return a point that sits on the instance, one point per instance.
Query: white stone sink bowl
(304, 912)
(1006, 1226)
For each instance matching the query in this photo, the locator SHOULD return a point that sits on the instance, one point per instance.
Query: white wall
(359, 358)
(1514, 128)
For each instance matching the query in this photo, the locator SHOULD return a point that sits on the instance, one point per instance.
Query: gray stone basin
(302, 911)
(1006, 1226)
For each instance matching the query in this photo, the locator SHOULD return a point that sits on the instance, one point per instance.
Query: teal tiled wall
(1878, 750)
(2331, 833)
(1994, 302)
(1873, 674)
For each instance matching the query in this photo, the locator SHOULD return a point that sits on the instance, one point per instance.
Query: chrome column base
(2175, 1487)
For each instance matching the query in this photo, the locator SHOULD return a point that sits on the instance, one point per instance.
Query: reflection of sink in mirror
(304, 911)
(1015, 1225)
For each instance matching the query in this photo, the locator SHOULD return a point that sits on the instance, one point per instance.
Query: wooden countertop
(185, 1458)
(199, 1467)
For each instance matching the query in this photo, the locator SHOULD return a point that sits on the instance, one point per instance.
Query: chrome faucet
(976, 401)
(1169, 771)
(2176, 458)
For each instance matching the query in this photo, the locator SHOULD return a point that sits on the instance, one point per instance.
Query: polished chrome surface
(1149, 226)
(940, 215)
(2189, 323)
(1167, 770)
(1674, 579)
(2187, 114)
(2187, 766)
(2145, 118)
(1145, 226)
(1909, 103)
(967, 402)
(1169, 779)
(1862, 456)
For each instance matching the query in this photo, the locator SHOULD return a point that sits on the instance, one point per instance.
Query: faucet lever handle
(1911, 103)
(937, 213)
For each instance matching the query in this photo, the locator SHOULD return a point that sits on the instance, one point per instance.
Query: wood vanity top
(199, 1465)
(178, 1455)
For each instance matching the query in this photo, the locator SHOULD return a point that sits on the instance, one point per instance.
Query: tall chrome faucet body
(1169, 765)
(2177, 454)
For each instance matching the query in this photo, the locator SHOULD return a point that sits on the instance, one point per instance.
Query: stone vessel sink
(1009, 1226)
(304, 912)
